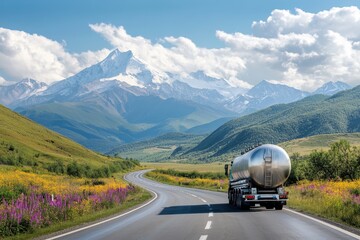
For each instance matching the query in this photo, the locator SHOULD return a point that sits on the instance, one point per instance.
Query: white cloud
(31, 55)
(303, 49)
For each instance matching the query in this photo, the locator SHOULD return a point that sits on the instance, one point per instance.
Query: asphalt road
(183, 213)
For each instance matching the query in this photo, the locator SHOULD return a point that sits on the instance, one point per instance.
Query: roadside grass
(206, 167)
(34, 204)
(131, 201)
(196, 182)
(337, 201)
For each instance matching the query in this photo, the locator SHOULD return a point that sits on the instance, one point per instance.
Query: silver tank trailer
(268, 166)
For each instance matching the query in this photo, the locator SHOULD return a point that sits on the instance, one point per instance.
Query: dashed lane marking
(208, 225)
(211, 214)
(203, 237)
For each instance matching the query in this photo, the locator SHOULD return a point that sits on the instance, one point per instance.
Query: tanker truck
(256, 178)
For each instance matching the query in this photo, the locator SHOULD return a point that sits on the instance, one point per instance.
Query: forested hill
(313, 115)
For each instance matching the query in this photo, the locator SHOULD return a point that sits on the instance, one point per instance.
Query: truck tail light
(283, 196)
(249, 197)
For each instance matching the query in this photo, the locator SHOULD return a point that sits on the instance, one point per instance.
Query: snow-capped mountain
(263, 95)
(121, 66)
(123, 70)
(21, 90)
(331, 88)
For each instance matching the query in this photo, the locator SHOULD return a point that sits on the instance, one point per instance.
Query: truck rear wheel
(240, 202)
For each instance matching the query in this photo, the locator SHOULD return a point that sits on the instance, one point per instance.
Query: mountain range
(121, 100)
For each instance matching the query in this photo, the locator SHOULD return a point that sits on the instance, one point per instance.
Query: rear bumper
(263, 198)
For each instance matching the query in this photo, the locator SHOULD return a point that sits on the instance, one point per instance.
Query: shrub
(57, 167)
(74, 169)
(340, 162)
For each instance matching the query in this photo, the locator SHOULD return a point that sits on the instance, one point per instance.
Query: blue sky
(300, 43)
(68, 20)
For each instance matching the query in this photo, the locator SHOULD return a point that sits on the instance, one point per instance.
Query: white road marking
(208, 225)
(211, 214)
(203, 237)
(107, 220)
(326, 224)
(193, 195)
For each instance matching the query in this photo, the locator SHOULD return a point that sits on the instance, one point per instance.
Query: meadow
(338, 201)
(31, 202)
(305, 146)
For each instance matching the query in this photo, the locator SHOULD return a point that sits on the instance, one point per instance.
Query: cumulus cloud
(300, 49)
(31, 55)
(307, 48)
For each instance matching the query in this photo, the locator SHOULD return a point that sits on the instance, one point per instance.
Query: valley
(122, 100)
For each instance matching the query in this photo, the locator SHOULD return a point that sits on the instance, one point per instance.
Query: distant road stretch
(183, 213)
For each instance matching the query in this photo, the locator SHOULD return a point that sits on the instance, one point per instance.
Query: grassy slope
(32, 141)
(305, 146)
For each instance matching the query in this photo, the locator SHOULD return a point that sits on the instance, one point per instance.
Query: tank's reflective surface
(267, 166)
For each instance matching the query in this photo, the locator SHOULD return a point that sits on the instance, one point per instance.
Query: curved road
(183, 213)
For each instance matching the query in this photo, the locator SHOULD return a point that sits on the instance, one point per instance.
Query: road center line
(326, 224)
(203, 237)
(211, 214)
(208, 225)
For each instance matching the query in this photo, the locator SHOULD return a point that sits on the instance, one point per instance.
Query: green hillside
(313, 115)
(23, 142)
